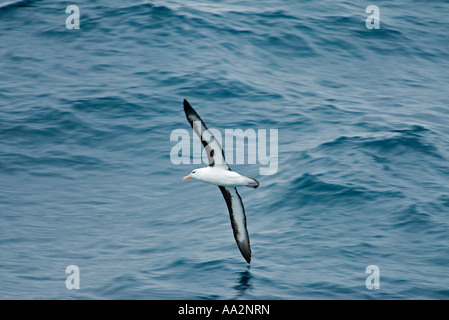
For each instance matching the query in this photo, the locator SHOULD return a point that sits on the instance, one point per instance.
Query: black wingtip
(254, 183)
(189, 111)
(246, 253)
(187, 106)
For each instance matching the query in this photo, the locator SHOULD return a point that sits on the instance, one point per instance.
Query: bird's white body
(223, 177)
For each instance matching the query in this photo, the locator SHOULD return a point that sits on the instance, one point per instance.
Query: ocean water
(86, 177)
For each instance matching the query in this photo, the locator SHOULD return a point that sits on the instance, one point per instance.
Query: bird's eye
(193, 171)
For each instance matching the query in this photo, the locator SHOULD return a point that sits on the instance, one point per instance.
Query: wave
(416, 139)
(4, 5)
(226, 26)
(314, 190)
(49, 125)
(48, 165)
(414, 219)
(153, 13)
(110, 106)
(224, 88)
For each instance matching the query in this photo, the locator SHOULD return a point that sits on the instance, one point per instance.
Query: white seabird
(219, 173)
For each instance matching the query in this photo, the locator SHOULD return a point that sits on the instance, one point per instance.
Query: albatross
(219, 173)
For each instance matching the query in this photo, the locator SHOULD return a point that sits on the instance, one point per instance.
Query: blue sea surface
(86, 177)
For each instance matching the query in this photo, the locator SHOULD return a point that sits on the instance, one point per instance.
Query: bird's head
(194, 174)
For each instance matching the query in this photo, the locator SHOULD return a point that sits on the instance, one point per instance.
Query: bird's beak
(187, 177)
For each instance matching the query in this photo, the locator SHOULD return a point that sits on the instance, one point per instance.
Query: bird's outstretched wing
(234, 202)
(238, 220)
(215, 153)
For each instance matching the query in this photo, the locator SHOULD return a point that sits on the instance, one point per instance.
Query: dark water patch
(313, 190)
(146, 16)
(217, 89)
(444, 200)
(49, 166)
(50, 126)
(331, 84)
(395, 143)
(285, 44)
(336, 290)
(128, 283)
(414, 219)
(408, 140)
(23, 132)
(10, 4)
(114, 106)
(266, 16)
(387, 33)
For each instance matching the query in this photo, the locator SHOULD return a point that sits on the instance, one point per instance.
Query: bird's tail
(253, 183)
